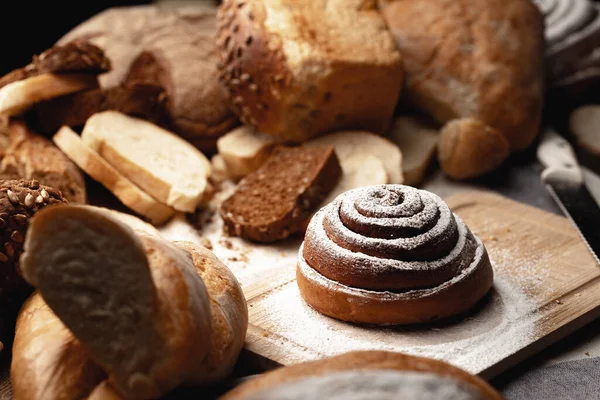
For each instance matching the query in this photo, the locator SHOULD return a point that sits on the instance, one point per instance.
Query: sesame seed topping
(39, 199)
(20, 218)
(45, 194)
(12, 196)
(253, 87)
(2, 222)
(245, 77)
(29, 200)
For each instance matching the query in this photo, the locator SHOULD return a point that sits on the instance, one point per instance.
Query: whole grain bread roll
(300, 68)
(473, 59)
(173, 47)
(366, 375)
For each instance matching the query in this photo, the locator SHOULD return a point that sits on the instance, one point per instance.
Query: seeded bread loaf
(147, 101)
(19, 201)
(31, 156)
(171, 47)
(276, 200)
(58, 71)
(300, 68)
(162, 164)
(482, 60)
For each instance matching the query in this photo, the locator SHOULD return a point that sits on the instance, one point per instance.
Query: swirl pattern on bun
(391, 254)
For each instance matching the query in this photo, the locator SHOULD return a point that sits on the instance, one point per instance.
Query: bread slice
(31, 156)
(135, 302)
(145, 101)
(158, 161)
(349, 143)
(298, 69)
(18, 96)
(583, 124)
(418, 140)
(277, 199)
(95, 166)
(244, 150)
(219, 169)
(357, 171)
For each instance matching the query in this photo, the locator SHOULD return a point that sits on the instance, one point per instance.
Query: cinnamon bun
(391, 254)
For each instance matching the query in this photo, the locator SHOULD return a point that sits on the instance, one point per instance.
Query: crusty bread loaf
(142, 314)
(458, 64)
(417, 139)
(349, 143)
(294, 70)
(468, 148)
(123, 189)
(172, 47)
(276, 200)
(229, 313)
(159, 162)
(244, 150)
(31, 156)
(272, 385)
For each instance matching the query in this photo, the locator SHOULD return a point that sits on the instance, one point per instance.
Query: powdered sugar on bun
(394, 245)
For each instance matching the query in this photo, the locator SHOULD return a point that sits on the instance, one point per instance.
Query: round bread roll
(391, 254)
(173, 47)
(468, 148)
(366, 375)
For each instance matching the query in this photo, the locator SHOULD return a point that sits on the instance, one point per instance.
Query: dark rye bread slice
(276, 200)
(142, 100)
(75, 57)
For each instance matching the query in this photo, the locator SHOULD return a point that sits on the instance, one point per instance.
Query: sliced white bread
(357, 171)
(95, 166)
(244, 150)
(418, 140)
(161, 163)
(584, 124)
(17, 97)
(349, 143)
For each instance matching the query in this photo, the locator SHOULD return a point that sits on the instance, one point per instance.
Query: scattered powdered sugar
(498, 327)
(371, 384)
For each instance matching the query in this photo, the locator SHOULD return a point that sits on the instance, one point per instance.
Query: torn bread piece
(161, 163)
(58, 71)
(349, 143)
(418, 141)
(95, 166)
(244, 150)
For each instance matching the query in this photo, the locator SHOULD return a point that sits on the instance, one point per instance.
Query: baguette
(95, 166)
(162, 164)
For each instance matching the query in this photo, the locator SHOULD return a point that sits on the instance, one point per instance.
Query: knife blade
(563, 178)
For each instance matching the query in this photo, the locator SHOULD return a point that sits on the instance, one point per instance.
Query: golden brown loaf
(366, 375)
(481, 59)
(391, 254)
(299, 68)
(173, 47)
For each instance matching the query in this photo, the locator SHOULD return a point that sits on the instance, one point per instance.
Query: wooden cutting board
(546, 286)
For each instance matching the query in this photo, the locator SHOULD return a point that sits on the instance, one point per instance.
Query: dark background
(30, 27)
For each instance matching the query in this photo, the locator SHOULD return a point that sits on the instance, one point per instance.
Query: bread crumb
(227, 244)
(558, 301)
(206, 243)
(587, 353)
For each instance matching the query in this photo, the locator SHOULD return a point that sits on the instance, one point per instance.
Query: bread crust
(458, 64)
(359, 360)
(299, 96)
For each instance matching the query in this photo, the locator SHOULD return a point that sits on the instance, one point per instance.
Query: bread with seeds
(58, 71)
(19, 201)
(31, 156)
(300, 68)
